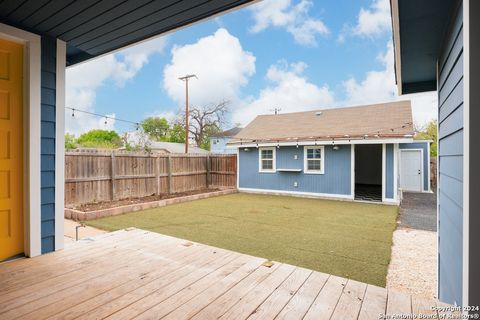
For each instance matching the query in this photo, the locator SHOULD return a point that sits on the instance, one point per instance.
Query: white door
(411, 170)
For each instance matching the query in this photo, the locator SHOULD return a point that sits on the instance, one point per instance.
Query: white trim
(396, 45)
(319, 142)
(322, 160)
(384, 161)
(466, 152)
(60, 145)
(352, 170)
(32, 132)
(395, 172)
(297, 193)
(238, 168)
(422, 187)
(428, 169)
(274, 160)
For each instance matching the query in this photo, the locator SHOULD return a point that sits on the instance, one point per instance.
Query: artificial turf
(347, 239)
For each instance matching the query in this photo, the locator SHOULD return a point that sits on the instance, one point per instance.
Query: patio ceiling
(95, 27)
(418, 30)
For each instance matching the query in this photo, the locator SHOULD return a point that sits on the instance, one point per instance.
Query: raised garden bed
(98, 210)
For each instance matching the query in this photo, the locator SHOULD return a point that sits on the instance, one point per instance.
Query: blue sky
(291, 54)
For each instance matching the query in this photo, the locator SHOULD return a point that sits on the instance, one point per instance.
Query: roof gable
(384, 120)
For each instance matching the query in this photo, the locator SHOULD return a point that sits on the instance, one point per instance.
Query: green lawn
(343, 238)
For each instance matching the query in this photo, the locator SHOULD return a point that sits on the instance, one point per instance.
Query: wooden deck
(143, 275)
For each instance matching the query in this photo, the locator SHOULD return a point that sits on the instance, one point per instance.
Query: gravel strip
(413, 266)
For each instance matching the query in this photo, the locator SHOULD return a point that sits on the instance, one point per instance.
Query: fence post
(209, 175)
(169, 173)
(157, 174)
(113, 173)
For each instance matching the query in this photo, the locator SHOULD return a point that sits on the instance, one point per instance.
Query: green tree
(102, 139)
(429, 133)
(156, 128)
(176, 134)
(70, 141)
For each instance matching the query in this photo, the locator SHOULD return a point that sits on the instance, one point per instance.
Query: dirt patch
(413, 266)
(88, 207)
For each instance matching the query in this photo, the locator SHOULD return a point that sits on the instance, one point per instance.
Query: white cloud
(82, 82)
(294, 18)
(374, 21)
(290, 91)
(379, 86)
(219, 61)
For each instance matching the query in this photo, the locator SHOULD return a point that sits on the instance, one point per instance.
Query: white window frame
(274, 160)
(322, 160)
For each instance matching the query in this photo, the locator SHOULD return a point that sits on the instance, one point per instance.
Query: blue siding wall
(450, 161)
(48, 85)
(219, 145)
(426, 165)
(389, 172)
(335, 180)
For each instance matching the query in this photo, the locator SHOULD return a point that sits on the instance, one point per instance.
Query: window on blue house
(267, 159)
(314, 160)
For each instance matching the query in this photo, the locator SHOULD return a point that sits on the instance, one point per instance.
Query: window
(267, 159)
(314, 160)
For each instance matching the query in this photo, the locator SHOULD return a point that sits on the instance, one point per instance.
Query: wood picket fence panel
(94, 176)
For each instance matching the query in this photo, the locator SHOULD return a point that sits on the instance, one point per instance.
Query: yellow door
(11, 149)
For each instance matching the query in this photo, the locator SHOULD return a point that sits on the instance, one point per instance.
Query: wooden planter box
(78, 215)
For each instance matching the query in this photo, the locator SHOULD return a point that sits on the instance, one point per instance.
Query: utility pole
(276, 110)
(185, 79)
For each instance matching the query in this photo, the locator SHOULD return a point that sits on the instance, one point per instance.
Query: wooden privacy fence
(92, 176)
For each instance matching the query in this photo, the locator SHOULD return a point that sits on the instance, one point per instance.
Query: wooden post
(209, 175)
(157, 174)
(113, 176)
(169, 172)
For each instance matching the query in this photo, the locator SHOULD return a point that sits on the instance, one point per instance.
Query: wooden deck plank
(152, 279)
(298, 306)
(374, 303)
(69, 252)
(326, 301)
(149, 276)
(348, 307)
(60, 300)
(193, 306)
(244, 308)
(220, 305)
(163, 308)
(423, 306)
(157, 291)
(398, 303)
(43, 273)
(272, 306)
(114, 261)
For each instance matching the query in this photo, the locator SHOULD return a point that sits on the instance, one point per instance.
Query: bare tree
(205, 121)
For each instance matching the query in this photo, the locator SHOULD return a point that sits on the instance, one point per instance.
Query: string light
(137, 125)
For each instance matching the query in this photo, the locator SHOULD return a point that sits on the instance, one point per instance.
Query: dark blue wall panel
(389, 172)
(48, 85)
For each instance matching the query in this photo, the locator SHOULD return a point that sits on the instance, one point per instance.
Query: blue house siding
(219, 145)
(48, 87)
(389, 172)
(450, 161)
(336, 179)
(426, 165)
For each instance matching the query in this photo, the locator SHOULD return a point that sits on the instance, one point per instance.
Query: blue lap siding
(48, 94)
(450, 162)
(336, 179)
